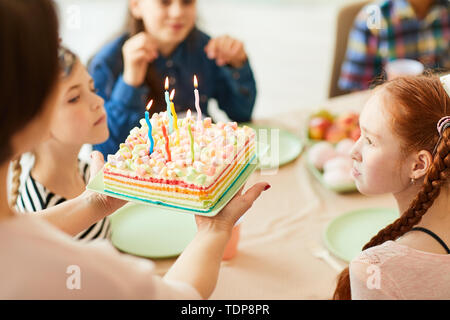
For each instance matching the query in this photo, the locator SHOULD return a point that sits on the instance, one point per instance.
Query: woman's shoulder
(25, 234)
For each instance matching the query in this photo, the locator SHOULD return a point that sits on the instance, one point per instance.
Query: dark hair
(416, 106)
(28, 63)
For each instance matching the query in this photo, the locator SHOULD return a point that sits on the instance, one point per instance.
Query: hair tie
(66, 59)
(443, 124)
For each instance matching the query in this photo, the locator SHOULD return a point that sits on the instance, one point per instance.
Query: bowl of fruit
(325, 126)
(331, 164)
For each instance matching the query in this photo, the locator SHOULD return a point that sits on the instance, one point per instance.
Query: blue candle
(147, 119)
(169, 113)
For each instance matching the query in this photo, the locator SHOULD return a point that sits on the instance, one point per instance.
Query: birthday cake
(190, 166)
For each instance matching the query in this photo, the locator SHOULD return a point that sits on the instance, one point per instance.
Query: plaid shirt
(397, 34)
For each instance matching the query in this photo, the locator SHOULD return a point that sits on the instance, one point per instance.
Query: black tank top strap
(434, 235)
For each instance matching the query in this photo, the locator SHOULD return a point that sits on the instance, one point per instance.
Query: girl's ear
(135, 8)
(422, 164)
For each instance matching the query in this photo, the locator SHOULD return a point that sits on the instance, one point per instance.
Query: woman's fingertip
(267, 187)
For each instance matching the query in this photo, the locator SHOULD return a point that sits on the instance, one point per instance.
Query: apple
(335, 133)
(318, 127)
(355, 134)
(324, 114)
(348, 121)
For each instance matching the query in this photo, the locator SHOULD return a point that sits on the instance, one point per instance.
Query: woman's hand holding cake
(207, 248)
(226, 219)
(102, 204)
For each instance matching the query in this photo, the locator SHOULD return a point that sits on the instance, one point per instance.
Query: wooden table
(278, 233)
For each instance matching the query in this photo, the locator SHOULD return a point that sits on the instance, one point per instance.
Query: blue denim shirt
(234, 89)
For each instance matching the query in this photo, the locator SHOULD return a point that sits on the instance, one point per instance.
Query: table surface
(284, 226)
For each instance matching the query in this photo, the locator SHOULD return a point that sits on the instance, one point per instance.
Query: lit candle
(175, 117)
(166, 96)
(197, 101)
(188, 114)
(192, 141)
(169, 158)
(147, 119)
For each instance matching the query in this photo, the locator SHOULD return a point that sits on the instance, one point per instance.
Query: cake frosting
(178, 173)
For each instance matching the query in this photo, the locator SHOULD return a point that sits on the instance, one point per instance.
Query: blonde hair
(16, 170)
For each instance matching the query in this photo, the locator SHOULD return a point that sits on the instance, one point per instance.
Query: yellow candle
(174, 115)
(175, 122)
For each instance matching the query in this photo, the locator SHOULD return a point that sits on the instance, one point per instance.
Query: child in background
(162, 40)
(408, 29)
(57, 173)
(404, 149)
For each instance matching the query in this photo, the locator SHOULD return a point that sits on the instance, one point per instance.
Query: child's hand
(225, 220)
(105, 205)
(138, 52)
(226, 50)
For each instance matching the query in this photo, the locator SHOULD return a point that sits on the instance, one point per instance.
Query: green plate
(347, 234)
(343, 188)
(97, 185)
(289, 146)
(150, 231)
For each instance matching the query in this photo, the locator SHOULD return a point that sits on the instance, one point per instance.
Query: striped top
(33, 196)
(389, 29)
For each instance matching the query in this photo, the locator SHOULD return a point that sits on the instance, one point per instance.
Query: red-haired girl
(404, 149)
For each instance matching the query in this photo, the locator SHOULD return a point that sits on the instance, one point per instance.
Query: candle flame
(195, 81)
(172, 94)
(188, 113)
(149, 105)
(166, 84)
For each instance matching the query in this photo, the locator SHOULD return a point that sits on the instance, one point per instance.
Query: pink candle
(197, 101)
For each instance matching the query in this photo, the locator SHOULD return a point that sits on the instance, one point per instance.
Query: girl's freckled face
(377, 155)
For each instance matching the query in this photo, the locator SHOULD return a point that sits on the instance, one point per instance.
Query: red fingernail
(267, 187)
